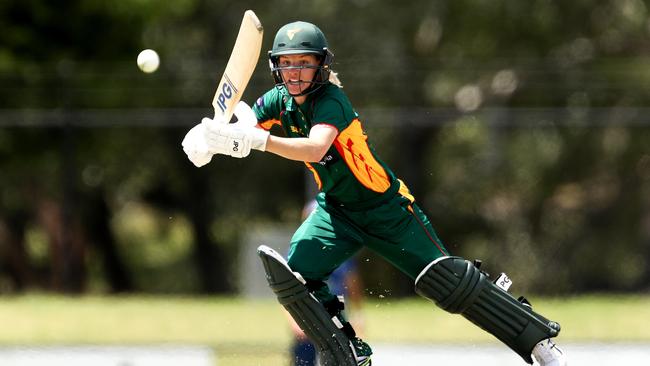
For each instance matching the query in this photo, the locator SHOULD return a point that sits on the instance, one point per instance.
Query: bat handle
(223, 117)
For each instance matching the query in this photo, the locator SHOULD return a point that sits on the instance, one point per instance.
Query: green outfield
(245, 332)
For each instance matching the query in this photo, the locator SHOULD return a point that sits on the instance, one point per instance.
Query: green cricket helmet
(301, 38)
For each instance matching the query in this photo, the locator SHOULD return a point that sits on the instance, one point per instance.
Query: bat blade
(240, 67)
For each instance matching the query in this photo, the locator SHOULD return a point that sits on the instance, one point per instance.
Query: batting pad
(333, 345)
(458, 286)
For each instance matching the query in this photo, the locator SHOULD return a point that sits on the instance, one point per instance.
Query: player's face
(298, 71)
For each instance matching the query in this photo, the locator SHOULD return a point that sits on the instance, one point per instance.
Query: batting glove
(235, 139)
(248, 121)
(195, 147)
(226, 139)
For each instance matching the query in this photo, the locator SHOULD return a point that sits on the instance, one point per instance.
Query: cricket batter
(361, 203)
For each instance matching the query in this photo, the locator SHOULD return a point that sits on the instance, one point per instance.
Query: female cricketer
(361, 203)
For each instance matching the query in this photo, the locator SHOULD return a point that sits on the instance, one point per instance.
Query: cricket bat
(240, 67)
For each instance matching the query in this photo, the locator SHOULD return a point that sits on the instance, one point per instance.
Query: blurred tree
(520, 126)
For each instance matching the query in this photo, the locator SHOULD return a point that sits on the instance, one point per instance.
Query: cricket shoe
(548, 353)
(362, 352)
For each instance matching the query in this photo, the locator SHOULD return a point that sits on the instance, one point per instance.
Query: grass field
(245, 332)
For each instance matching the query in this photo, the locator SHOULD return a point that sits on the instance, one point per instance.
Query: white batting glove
(246, 119)
(226, 139)
(195, 147)
(235, 139)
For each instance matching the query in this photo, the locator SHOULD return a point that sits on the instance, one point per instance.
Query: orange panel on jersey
(352, 144)
(405, 192)
(269, 123)
(316, 176)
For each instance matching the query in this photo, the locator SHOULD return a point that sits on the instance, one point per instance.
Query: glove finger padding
(247, 121)
(227, 139)
(245, 115)
(236, 139)
(195, 147)
(197, 158)
(239, 142)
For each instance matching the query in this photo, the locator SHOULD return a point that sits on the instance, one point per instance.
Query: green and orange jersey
(350, 173)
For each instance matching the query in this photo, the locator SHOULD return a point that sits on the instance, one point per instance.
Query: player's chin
(297, 87)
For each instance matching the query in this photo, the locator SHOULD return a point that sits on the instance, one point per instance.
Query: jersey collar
(290, 103)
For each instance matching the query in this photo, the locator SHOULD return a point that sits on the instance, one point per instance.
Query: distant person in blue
(344, 281)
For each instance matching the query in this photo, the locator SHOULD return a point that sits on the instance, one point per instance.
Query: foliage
(520, 127)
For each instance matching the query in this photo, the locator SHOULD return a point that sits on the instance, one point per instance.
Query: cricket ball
(148, 61)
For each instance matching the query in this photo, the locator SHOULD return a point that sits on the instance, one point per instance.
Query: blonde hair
(334, 79)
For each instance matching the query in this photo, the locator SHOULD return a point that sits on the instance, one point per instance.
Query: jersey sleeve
(335, 111)
(267, 109)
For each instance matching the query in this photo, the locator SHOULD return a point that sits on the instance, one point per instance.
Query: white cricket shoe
(547, 353)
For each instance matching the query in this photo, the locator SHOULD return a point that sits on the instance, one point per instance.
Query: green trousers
(397, 230)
